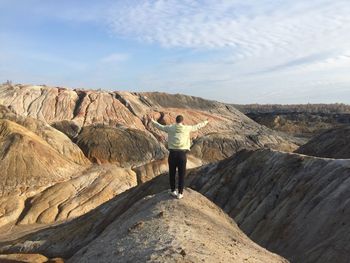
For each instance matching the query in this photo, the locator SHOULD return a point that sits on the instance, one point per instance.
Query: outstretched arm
(199, 125)
(160, 126)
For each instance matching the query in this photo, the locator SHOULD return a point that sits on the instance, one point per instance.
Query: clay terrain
(303, 121)
(333, 143)
(84, 179)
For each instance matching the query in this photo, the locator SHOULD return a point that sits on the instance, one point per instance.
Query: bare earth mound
(28, 162)
(157, 228)
(160, 228)
(19, 258)
(40, 184)
(333, 143)
(79, 195)
(57, 140)
(294, 205)
(123, 146)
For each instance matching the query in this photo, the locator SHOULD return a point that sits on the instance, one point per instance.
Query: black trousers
(177, 160)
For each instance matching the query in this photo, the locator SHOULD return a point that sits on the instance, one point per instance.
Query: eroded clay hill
(70, 110)
(28, 161)
(125, 147)
(28, 165)
(333, 143)
(58, 141)
(57, 104)
(74, 162)
(45, 178)
(294, 205)
(157, 228)
(301, 120)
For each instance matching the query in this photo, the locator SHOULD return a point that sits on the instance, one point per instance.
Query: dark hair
(179, 118)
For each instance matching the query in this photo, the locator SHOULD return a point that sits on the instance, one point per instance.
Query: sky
(251, 51)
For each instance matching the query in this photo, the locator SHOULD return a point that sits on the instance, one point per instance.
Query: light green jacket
(179, 134)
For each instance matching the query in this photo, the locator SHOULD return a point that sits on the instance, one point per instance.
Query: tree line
(334, 108)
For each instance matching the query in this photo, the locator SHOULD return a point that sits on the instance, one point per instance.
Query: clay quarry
(84, 178)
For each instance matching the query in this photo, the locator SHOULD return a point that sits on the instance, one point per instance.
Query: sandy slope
(160, 228)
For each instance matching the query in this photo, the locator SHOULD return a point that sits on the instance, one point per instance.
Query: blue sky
(252, 51)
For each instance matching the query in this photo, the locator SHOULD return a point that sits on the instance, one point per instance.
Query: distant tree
(334, 108)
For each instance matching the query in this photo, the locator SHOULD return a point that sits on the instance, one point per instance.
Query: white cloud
(232, 50)
(251, 27)
(269, 48)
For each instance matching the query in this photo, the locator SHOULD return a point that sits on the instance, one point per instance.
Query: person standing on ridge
(179, 144)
